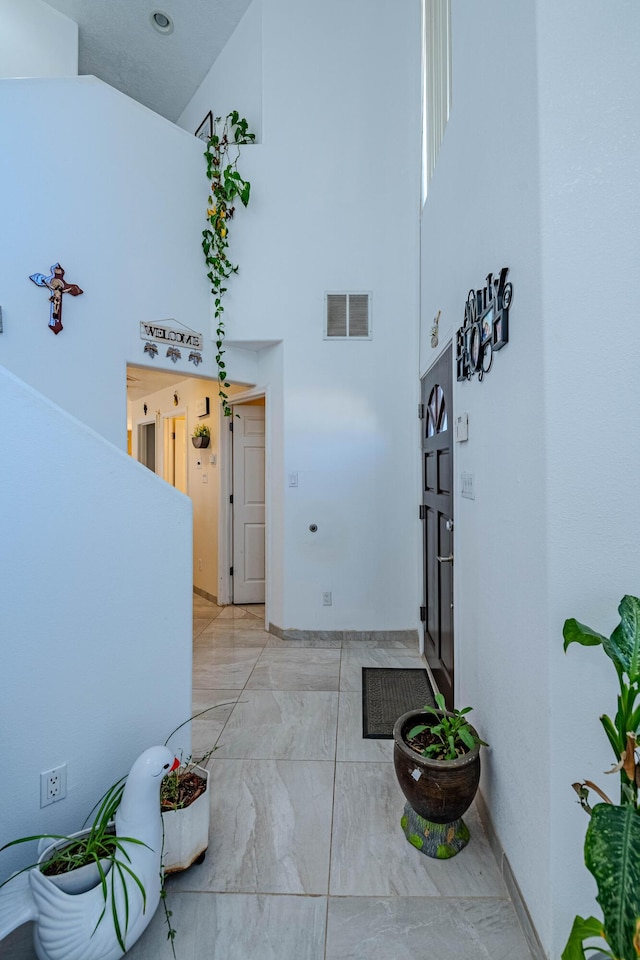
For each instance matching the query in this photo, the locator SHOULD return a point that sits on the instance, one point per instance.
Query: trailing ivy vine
(227, 186)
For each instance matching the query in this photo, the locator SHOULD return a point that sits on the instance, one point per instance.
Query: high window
(436, 79)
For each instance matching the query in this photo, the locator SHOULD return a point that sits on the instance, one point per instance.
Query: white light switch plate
(462, 427)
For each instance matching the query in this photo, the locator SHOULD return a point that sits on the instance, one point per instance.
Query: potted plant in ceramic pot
(185, 806)
(612, 841)
(201, 435)
(437, 761)
(93, 893)
(184, 802)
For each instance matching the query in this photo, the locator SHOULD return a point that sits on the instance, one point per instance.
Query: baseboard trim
(510, 882)
(380, 637)
(206, 596)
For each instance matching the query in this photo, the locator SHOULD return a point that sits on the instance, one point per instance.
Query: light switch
(213, 459)
(462, 427)
(293, 479)
(205, 478)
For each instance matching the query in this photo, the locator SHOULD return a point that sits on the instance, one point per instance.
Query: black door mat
(387, 693)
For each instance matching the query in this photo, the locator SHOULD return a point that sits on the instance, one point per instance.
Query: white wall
(327, 215)
(590, 152)
(94, 668)
(94, 538)
(36, 40)
(235, 80)
(120, 203)
(483, 213)
(538, 172)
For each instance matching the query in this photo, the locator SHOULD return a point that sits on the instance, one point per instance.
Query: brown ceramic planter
(438, 790)
(202, 441)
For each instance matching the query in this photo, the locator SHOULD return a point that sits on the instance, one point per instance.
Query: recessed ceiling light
(161, 21)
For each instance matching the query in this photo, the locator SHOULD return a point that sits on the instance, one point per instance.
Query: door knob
(448, 559)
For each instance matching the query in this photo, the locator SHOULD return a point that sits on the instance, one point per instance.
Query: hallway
(307, 860)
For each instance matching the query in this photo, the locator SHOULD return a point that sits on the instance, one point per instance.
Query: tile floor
(306, 859)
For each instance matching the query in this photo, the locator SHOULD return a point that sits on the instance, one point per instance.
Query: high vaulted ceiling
(119, 45)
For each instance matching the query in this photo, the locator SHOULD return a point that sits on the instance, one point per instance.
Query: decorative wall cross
(58, 286)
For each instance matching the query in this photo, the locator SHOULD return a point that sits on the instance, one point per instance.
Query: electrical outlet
(327, 599)
(53, 785)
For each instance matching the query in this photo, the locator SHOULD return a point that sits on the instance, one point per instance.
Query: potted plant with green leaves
(94, 892)
(185, 805)
(437, 763)
(612, 842)
(201, 435)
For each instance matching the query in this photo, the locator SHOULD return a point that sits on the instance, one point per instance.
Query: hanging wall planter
(201, 436)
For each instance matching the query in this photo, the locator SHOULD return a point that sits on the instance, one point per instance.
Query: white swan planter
(66, 925)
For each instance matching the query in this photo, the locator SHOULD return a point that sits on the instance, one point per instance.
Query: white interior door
(248, 504)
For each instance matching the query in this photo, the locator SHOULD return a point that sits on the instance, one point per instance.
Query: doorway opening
(147, 445)
(175, 452)
(162, 412)
(244, 547)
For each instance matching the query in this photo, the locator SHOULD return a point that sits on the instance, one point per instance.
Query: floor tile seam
(306, 759)
(439, 898)
(268, 760)
(414, 898)
(224, 726)
(291, 689)
(333, 808)
(249, 893)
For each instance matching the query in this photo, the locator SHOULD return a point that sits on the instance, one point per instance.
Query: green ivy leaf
(226, 184)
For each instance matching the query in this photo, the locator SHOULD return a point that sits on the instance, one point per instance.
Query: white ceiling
(141, 381)
(119, 45)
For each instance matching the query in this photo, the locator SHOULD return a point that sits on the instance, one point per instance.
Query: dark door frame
(437, 453)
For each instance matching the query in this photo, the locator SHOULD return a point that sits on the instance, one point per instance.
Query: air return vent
(348, 316)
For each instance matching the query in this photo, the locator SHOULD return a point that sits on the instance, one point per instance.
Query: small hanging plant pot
(201, 436)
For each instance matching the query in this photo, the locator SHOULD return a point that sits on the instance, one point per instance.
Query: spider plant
(98, 844)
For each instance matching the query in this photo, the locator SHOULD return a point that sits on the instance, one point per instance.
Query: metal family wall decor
(57, 286)
(485, 328)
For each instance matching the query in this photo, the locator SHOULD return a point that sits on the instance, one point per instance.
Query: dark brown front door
(437, 499)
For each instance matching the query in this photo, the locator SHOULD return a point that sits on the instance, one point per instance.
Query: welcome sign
(165, 334)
